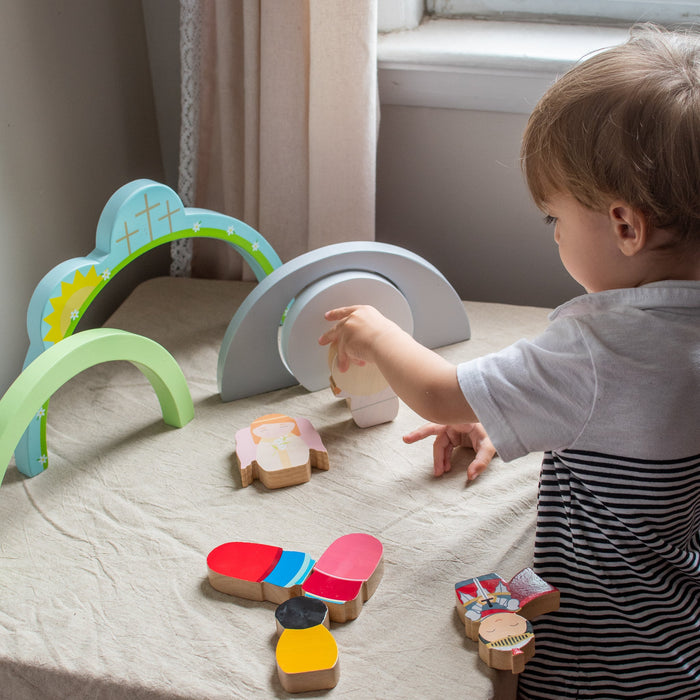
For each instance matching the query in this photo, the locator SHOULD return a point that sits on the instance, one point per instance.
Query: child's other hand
(448, 437)
(356, 330)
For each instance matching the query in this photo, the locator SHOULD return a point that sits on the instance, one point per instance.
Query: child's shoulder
(670, 296)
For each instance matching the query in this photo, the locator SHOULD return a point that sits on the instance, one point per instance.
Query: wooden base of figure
(306, 653)
(345, 576)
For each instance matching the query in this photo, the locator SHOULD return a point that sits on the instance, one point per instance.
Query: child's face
(587, 243)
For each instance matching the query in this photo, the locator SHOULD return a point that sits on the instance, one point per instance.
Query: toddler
(610, 391)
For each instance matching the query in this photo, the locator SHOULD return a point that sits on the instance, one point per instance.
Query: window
(579, 11)
(455, 56)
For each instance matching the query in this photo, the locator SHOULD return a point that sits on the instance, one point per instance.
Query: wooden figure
(506, 641)
(306, 653)
(250, 360)
(345, 576)
(258, 571)
(138, 217)
(482, 596)
(304, 321)
(497, 614)
(535, 595)
(368, 395)
(61, 362)
(279, 451)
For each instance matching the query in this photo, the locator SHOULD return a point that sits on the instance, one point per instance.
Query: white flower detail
(43, 459)
(41, 412)
(105, 275)
(197, 226)
(230, 231)
(255, 246)
(74, 315)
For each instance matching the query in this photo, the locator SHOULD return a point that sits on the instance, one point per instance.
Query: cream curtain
(280, 122)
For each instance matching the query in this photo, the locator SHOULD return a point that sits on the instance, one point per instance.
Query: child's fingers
(334, 315)
(442, 454)
(442, 447)
(482, 459)
(423, 432)
(328, 337)
(342, 362)
(339, 314)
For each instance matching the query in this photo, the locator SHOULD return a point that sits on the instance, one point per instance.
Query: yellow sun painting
(66, 308)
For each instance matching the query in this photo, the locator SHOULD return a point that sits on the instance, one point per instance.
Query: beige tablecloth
(103, 588)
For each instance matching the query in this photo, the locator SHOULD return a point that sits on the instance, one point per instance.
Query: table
(103, 586)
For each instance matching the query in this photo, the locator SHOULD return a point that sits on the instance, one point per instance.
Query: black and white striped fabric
(620, 538)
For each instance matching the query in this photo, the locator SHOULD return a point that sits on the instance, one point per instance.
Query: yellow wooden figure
(307, 655)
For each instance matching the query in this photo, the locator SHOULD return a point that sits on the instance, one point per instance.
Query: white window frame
(624, 11)
(476, 63)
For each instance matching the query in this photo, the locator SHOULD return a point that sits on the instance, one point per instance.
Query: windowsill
(482, 65)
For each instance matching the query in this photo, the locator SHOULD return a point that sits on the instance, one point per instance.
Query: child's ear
(630, 227)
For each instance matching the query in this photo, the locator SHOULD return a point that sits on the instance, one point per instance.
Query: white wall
(449, 188)
(77, 121)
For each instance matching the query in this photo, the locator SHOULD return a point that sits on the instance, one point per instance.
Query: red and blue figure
(345, 576)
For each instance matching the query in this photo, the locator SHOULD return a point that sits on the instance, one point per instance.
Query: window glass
(629, 11)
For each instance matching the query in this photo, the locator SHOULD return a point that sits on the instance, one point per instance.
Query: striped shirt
(611, 392)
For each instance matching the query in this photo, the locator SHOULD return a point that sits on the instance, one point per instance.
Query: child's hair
(624, 124)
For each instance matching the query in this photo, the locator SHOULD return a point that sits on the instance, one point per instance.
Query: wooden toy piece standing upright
(279, 451)
(306, 653)
(368, 395)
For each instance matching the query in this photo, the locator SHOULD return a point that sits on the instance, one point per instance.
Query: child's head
(625, 125)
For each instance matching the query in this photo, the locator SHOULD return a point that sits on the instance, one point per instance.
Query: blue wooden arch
(138, 217)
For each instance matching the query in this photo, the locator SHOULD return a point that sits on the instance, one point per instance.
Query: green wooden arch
(63, 361)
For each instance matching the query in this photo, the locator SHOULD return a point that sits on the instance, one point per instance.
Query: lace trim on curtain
(190, 55)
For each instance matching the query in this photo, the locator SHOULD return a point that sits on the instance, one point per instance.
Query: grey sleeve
(533, 395)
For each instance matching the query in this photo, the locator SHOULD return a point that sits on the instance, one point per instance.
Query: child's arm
(448, 437)
(420, 377)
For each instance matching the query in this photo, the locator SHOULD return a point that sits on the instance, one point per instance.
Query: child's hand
(421, 378)
(356, 331)
(447, 437)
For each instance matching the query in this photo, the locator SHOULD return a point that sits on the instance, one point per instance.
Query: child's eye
(550, 220)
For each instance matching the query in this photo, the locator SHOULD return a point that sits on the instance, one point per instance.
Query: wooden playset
(26, 399)
(279, 451)
(306, 653)
(138, 217)
(271, 341)
(346, 575)
(497, 614)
